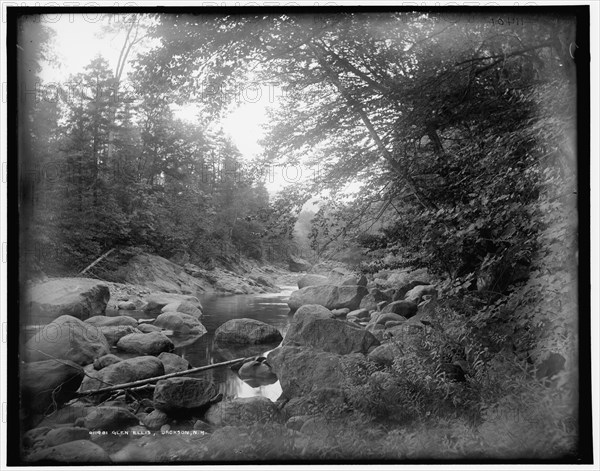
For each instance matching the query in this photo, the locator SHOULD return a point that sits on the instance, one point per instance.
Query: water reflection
(235, 387)
(200, 351)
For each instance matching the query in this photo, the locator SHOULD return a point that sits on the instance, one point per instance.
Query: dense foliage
(109, 165)
(443, 144)
(447, 128)
(440, 143)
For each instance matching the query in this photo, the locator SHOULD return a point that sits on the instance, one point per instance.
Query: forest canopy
(452, 130)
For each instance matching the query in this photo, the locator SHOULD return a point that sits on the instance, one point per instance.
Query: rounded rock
(246, 331)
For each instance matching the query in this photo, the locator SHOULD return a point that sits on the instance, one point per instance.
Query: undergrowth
(413, 410)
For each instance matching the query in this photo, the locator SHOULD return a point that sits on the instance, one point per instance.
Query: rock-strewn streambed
(337, 321)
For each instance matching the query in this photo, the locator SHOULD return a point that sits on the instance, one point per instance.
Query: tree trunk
(371, 129)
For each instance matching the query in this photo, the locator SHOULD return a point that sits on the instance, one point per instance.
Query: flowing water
(270, 308)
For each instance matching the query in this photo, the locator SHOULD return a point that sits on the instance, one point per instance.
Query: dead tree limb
(98, 260)
(142, 382)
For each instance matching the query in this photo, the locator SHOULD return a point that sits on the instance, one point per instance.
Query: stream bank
(326, 338)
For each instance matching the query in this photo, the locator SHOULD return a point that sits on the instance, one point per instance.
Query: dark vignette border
(14, 189)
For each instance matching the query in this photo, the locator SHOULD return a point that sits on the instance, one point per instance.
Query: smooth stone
(67, 338)
(180, 323)
(246, 331)
(183, 394)
(152, 343)
(125, 371)
(76, 297)
(330, 296)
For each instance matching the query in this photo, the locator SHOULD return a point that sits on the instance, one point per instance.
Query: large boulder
(183, 394)
(77, 297)
(246, 331)
(242, 411)
(79, 451)
(157, 301)
(301, 370)
(330, 335)
(111, 321)
(313, 310)
(125, 371)
(187, 307)
(329, 296)
(405, 309)
(297, 264)
(180, 323)
(114, 333)
(173, 363)
(47, 384)
(152, 343)
(312, 280)
(67, 338)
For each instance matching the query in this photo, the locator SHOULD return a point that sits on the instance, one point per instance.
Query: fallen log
(143, 382)
(95, 262)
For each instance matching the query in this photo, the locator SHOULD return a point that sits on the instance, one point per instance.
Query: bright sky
(79, 40)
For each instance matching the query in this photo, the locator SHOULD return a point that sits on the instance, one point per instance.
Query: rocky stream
(296, 331)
